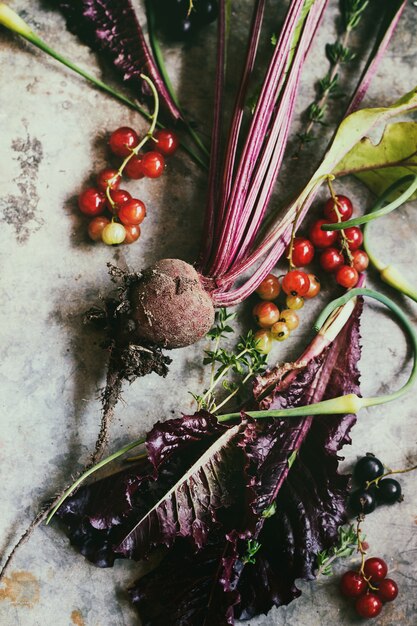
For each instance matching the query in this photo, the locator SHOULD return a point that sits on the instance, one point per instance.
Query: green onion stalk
(349, 403)
(388, 272)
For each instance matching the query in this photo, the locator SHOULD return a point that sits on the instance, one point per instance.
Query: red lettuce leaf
(190, 483)
(112, 28)
(310, 497)
(204, 577)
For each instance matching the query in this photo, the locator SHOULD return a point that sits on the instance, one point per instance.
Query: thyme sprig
(345, 547)
(253, 546)
(337, 53)
(244, 361)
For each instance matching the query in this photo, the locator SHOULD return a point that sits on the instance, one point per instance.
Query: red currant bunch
(340, 250)
(277, 324)
(369, 587)
(116, 216)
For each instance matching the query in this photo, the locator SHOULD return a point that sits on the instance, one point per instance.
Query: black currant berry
(362, 501)
(367, 468)
(389, 491)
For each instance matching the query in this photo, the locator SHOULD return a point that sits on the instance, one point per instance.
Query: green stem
(233, 393)
(349, 403)
(90, 471)
(159, 58)
(378, 210)
(222, 374)
(39, 43)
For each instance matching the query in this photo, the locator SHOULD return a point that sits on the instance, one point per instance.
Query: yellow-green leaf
(381, 164)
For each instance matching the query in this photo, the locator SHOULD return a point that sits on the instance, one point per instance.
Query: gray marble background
(53, 130)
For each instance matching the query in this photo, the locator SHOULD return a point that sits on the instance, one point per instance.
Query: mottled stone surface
(53, 130)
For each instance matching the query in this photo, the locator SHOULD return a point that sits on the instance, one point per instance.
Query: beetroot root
(170, 306)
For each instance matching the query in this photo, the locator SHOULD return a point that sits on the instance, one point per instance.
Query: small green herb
(337, 53)
(244, 361)
(345, 547)
(253, 547)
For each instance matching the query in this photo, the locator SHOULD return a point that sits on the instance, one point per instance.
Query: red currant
(266, 314)
(113, 233)
(290, 318)
(322, 238)
(296, 283)
(153, 164)
(295, 303)
(119, 197)
(353, 584)
(354, 237)
(108, 178)
(132, 212)
(314, 288)
(344, 207)
(96, 226)
(269, 288)
(387, 590)
(92, 201)
(263, 341)
(302, 252)
(280, 331)
(360, 260)
(133, 168)
(368, 606)
(168, 141)
(123, 140)
(132, 233)
(347, 276)
(375, 568)
(331, 259)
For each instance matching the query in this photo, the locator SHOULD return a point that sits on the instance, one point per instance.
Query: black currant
(389, 491)
(362, 501)
(367, 468)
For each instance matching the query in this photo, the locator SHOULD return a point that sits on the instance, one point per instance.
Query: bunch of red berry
(340, 250)
(369, 587)
(116, 215)
(275, 324)
(374, 488)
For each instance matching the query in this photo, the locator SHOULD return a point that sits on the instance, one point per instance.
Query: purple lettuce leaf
(310, 497)
(204, 577)
(111, 27)
(187, 588)
(190, 482)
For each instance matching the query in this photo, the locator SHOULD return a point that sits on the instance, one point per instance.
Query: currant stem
(90, 471)
(376, 480)
(134, 151)
(340, 224)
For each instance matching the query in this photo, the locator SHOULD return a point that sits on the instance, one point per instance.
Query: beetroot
(170, 305)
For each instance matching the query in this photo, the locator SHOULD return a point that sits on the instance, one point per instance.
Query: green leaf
(380, 165)
(292, 458)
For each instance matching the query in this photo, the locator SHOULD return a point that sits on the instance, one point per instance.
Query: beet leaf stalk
(247, 186)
